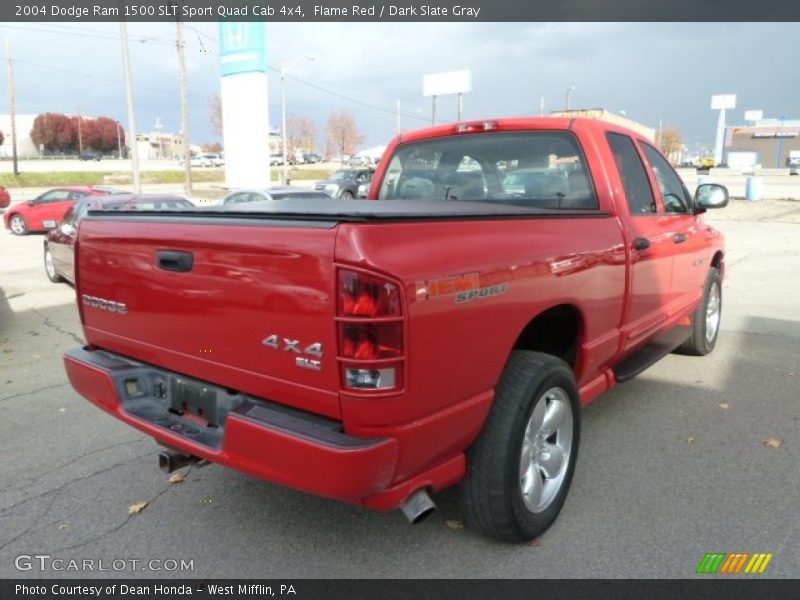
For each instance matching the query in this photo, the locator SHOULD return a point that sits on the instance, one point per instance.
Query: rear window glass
(537, 169)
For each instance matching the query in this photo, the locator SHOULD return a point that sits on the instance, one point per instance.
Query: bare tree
(343, 134)
(301, 133)
(215, 111)
(669, 142)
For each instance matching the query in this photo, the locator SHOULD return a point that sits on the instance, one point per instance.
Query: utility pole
(398, 116)
(433, 111)
(187, 152)
(460, 105)
(80, 135)
(119, 140)
(126, 63)
(660, 141)
(12, 105)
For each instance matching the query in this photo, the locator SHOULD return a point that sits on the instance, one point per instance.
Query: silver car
(273, 193)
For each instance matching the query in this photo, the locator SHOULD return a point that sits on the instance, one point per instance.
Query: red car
(5, 198)
(46, 211)
(59, 255)
(506, 273)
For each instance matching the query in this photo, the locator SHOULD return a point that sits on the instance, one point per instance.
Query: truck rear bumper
(259, 437)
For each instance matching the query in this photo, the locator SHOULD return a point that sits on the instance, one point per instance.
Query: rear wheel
(706, 319)
(50, 267)
(18, 225)
(521, 466)
(346, 195)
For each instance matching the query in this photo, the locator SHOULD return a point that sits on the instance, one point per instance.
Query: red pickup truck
(505, 273)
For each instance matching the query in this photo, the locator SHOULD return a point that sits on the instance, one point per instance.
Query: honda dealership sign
(245, 116)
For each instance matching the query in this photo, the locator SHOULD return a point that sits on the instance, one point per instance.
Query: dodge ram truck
(446, 330)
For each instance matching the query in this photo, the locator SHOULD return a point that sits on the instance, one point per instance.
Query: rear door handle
(679, 238)
(641, 243)
(172, 260)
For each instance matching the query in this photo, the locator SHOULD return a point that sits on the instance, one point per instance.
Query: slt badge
(315, 349)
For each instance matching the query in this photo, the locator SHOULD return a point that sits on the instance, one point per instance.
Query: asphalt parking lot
(695, 455)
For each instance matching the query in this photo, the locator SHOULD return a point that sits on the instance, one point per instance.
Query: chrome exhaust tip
(418, 507)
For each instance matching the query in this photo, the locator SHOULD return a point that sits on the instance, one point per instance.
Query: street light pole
(119, 140)
(126, 63)
(570, 89)
(285, 66)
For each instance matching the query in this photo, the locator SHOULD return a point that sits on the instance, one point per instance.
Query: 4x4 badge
(274, 341)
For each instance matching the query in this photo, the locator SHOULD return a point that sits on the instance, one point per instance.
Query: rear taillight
(370, 331)
(362, 295)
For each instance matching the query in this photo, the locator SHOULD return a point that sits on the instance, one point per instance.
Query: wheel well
(555, 331)
(718, 262)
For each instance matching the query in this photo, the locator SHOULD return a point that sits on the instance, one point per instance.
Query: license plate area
(184, 406)
(193, 399)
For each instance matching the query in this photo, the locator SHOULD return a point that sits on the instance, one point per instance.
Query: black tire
(51, 271)
(698, 343)
(492, 497)
(18, 225)
(346, 195)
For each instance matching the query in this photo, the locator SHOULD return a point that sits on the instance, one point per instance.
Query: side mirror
(711, 195)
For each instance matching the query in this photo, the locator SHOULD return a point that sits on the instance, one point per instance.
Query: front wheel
(18, 225)
(520, 469)
(346, 195)
(706, 319)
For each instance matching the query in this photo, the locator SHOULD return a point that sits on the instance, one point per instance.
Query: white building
(25, 146)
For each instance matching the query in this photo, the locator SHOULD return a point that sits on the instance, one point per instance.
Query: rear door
(689, 266)
(651, 241)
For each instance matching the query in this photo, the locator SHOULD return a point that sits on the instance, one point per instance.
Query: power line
(89, 33)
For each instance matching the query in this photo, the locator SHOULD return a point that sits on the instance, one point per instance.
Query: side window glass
(56, 196)
(69, 218)
(675, 194)
(80, 211)
(638, 192)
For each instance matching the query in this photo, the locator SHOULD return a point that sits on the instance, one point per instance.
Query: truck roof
(511, 124)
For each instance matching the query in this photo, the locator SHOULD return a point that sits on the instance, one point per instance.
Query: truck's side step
(651, 354)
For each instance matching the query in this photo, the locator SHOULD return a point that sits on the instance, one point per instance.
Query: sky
(654, 72)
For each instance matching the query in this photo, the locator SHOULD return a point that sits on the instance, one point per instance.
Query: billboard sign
(242, 47)
(723, 101)
(753, 115)
(452, 82)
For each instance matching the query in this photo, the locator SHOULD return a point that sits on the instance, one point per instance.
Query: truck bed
(355, 211)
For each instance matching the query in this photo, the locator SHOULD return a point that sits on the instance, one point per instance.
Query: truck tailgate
(235, 303)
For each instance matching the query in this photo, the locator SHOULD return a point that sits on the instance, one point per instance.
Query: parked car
(59, 255)
(200, 161)
(344, 183)
(46, 211)
(272, 193)
(216, 159)
(312, 159)
(360, 161)
(5, 197)
(275, 160)
(91, 155)
(377, 352)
